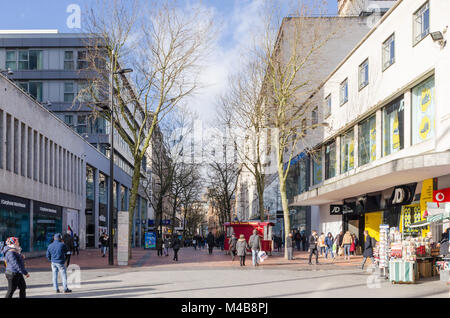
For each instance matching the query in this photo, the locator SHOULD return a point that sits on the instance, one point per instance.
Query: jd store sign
(403, 195)
(340, 209)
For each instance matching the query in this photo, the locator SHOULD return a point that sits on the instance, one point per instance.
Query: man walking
(368, 249)
(56, 254)
(290, 248)
(68, 242)
(297, 238)
(176, 244)
(255, 244)
(166, 244)
(104, 241)
(313, 242)
(232, 246)
(210, 241)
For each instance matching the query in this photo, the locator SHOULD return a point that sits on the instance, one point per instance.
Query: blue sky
(236, 17)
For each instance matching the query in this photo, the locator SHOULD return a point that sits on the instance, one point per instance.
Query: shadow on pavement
(30, 286)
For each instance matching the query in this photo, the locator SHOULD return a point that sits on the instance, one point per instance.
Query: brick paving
(188, 257)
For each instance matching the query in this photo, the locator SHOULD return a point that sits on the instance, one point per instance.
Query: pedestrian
(322, 244)
(68, 241)
(194, 242)
(104, 241)
(56, 253)
(329, 242)
(303, 241)
(15, 267)
(368, 249)
(76, 244)
(166, 245)
(255, 244)
(232, 246)
(338, 242)
(297, 238)
(159, 246)
(313, 243)
(176, 244)
(353, 246)
(241, 249)
(346, 244)
(210, 242)
(290, 248)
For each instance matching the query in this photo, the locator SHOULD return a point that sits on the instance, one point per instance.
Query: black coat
(176, 243)
(232, 243)
(312, 242)
(210, 239)
(368, 248)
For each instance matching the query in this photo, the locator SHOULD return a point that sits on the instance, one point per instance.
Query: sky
(236, 18)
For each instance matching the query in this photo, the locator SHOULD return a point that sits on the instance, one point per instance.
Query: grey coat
(289, 242)
(241, 247)
(254, 242)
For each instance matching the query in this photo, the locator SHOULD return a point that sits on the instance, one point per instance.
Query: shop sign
(9, 202)
(442, 195)
(403, 195)
(47, 209)
(336, 209)
(347, 209)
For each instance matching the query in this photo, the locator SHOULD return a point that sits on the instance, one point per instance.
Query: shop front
(15, 219)
(47, 221)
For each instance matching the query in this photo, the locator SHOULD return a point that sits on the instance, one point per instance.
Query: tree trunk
(284, 202)
(133, 202)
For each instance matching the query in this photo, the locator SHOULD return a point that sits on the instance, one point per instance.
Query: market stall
(264, 231)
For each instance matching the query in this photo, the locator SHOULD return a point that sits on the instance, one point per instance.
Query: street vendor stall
(264, 231)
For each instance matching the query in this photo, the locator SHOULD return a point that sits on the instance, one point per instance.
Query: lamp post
(8, 71)
(111, 157)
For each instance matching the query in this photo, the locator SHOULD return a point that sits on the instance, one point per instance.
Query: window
(68, 92)
(11, 60)
(344, 92)
(328, 106)
(23, 60)
(97, 126)
(32, 88)
(393, 132)
(317, 167)
(315, 116)
(367, 147)
(363, 78)
(81, 124)
(423, 111)
(347, 151)
(69, 64)
(389, 52)
(82, 60)
(68, 119)
(421, 23)
(330, 160)
(27, 60)
(35, 60)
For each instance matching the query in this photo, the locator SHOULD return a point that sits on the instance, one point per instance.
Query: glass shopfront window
(393, 131)
(90, 195)
(367, 141)
(330, 160)
(423, 111)
(317, 167)
(103, 203)
(348, 151)
(15, 220)
(123, 198)
(47, 221)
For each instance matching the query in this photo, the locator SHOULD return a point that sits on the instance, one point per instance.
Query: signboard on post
(122, 238)
(150, 240)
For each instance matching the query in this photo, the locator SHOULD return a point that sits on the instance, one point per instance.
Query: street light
(8, 71)
(111, 157)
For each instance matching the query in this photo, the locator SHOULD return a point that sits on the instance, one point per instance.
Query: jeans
(103, 249)
(15, 280)
(175, 254)
(365, 259)
(166, 251)
(255, 257)
(347, 249)
(297, 244)
(59, 268)
(233, 254)
(160, 252)
(290, 251)
(329, 250)
(316, 252)
(322, 250)
(242, 260)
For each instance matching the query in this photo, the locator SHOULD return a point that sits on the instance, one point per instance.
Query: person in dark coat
(76, 244)
(68, 242)
(176, 243)
(15, 268)
(210, 241)
(104, 242)
(313, 242)
(303, 238)
(368, 249)
(56, 254)
(241, 249)
(297, 238)
(232, 243)
(159, 246)
(338, 239)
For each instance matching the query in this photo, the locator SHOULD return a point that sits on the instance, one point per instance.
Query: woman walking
(329, 241)
(346, 244)
(241, 248)
(232, 243)
(15, 268)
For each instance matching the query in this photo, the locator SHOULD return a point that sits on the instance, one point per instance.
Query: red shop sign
(442, 195)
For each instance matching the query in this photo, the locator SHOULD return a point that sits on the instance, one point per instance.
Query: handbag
(341, 251)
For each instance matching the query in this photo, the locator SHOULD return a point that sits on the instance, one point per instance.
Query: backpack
(373, 242)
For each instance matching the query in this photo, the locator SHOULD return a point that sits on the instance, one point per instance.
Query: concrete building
(386, 104)
(364, 7)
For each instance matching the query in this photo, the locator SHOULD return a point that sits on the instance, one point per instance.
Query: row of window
(393, 137)
(71, 90)
(421, 28)
(85, 124)
(25, 60)
(28, 153)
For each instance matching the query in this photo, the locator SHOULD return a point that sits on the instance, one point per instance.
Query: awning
(438, 217)
(419, 224)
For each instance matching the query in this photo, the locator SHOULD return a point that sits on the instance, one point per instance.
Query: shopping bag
(262, 256)
(334, 248)
(341, 251)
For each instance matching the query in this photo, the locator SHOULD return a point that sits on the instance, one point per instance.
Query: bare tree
(165, 45)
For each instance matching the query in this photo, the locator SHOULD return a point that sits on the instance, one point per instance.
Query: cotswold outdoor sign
(403, 195)
(9, 202)
(47, 209)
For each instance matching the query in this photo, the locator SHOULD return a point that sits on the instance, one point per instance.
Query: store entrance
(355, 224)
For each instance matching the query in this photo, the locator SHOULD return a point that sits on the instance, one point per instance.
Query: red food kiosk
(264, 230)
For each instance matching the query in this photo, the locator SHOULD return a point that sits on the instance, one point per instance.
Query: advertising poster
(373, 140)
(423, 122)
(410, 214)
(150, 240)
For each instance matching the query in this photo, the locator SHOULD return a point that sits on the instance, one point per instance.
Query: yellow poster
(426, 196)
(410, 215)
(372, 224)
